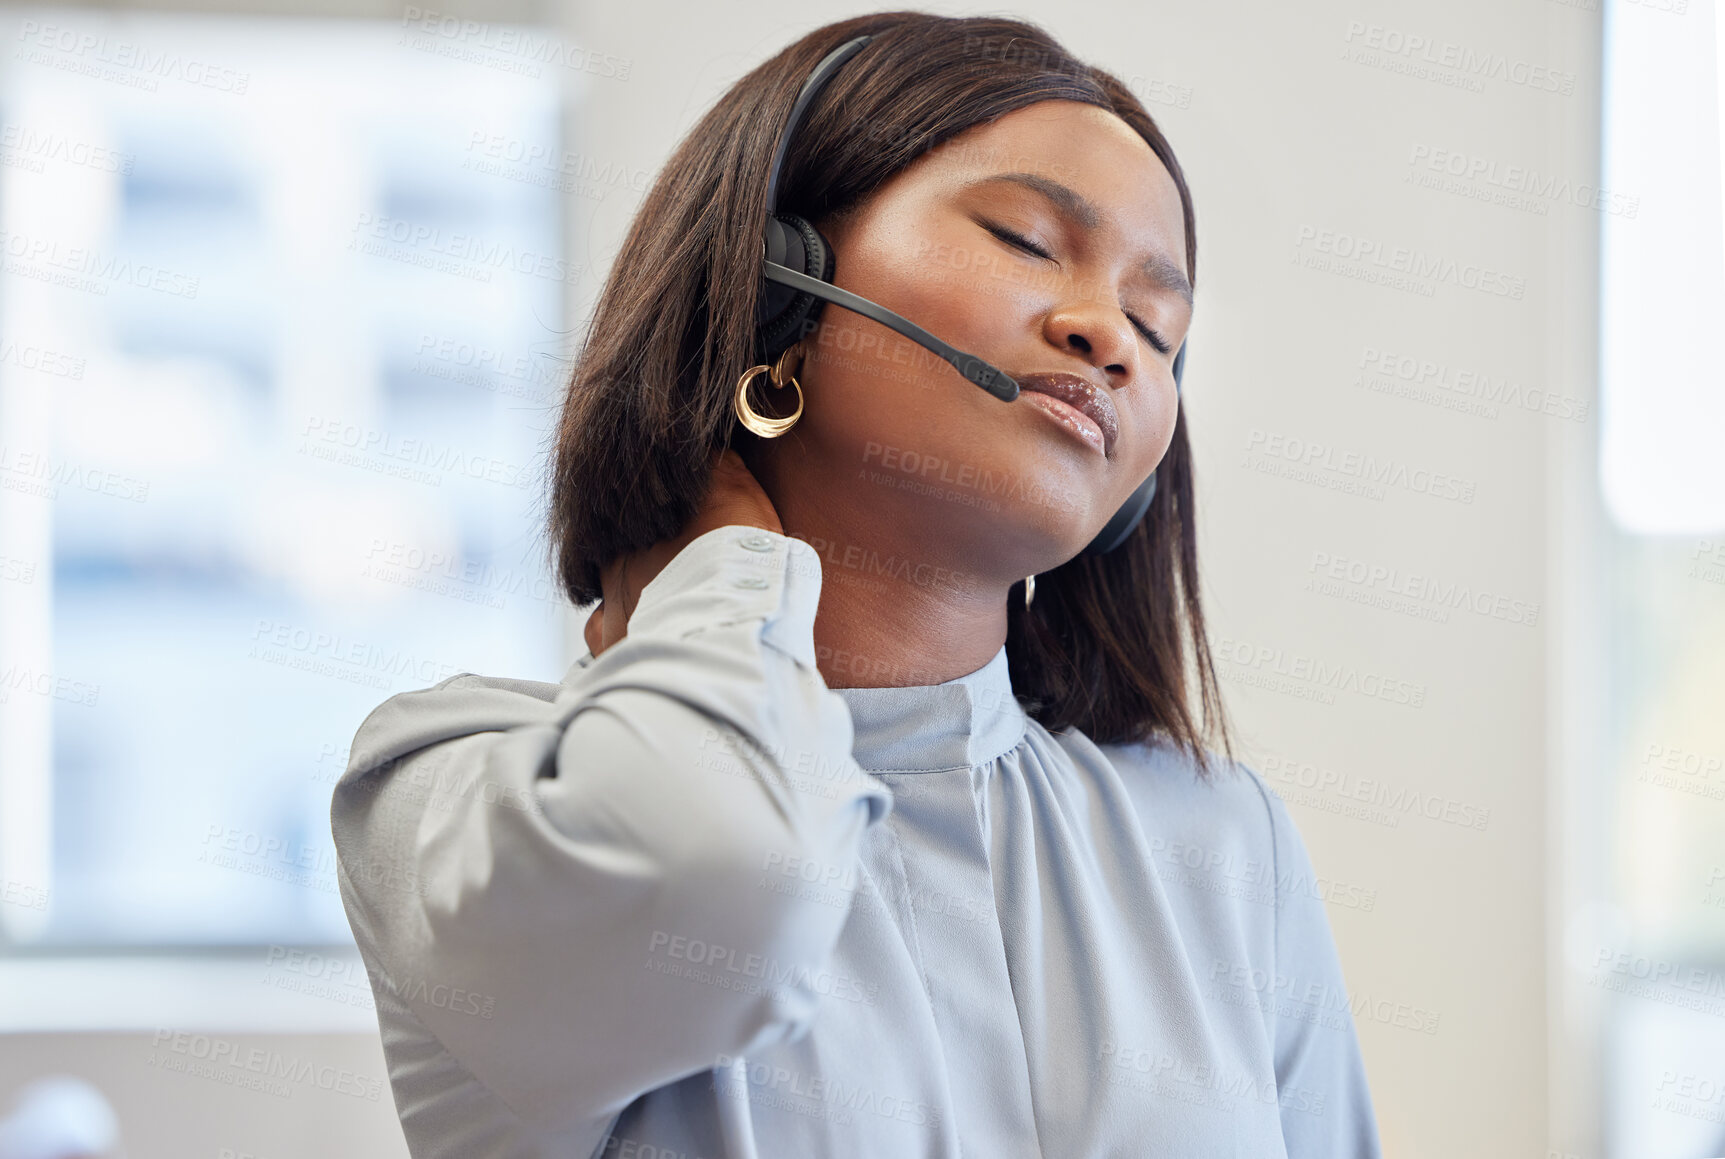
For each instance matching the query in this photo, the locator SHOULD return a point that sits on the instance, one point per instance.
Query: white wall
(1289, 137)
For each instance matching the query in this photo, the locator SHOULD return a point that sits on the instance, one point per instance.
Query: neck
(901, 605)
(887, 620)
(892, 612)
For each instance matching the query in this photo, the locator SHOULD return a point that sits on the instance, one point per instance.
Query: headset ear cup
(1132, 512)
(787, 315)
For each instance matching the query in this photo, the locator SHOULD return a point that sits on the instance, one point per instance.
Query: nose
(1098, 333)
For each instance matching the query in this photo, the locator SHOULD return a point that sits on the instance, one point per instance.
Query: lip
(1084, 397)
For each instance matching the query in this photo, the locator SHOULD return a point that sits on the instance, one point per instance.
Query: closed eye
(1150, 336)
(1010, 238)
(1023, 243)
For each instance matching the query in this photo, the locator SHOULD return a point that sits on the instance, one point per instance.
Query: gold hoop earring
(1029, 589)
(768, 428)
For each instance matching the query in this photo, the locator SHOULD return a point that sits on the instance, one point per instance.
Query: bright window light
(1662, 274)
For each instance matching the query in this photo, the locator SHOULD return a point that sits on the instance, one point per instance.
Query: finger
(594, 632)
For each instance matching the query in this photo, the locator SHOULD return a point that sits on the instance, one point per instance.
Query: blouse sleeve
(1320, 1074)
(587, 870)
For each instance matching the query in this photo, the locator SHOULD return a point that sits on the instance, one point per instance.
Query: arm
(583, 854)
(1326, 1106)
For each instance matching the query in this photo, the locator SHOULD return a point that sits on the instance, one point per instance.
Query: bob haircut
(649, 402)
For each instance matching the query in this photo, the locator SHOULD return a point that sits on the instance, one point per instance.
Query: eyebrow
(1163, 270)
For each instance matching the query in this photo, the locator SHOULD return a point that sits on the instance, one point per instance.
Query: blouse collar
(967, 721)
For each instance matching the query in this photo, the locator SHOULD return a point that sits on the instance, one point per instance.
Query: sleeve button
(757, 542)
(753, 582)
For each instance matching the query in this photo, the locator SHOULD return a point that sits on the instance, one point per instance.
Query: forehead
(1084, 147)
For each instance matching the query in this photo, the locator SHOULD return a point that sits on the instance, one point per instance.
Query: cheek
(975, 299)
(1160, 422)
(946, 278)
(867, 391)
(897, 417)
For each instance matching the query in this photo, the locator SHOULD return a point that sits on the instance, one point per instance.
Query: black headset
(797, 273)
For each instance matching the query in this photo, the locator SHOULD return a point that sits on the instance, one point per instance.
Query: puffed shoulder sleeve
(582, 865)
(1320, 1074)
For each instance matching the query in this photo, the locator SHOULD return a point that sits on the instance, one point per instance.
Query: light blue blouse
(690, 902)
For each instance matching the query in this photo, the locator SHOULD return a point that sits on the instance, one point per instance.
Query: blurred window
(278, 367)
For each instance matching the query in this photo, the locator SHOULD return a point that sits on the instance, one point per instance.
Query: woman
(843, 839)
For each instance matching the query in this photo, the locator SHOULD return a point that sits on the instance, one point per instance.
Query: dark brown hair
(1101, 649)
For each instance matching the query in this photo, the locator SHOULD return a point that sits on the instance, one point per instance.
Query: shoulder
(459, 706)
(1165, 780)
(1229, 822)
